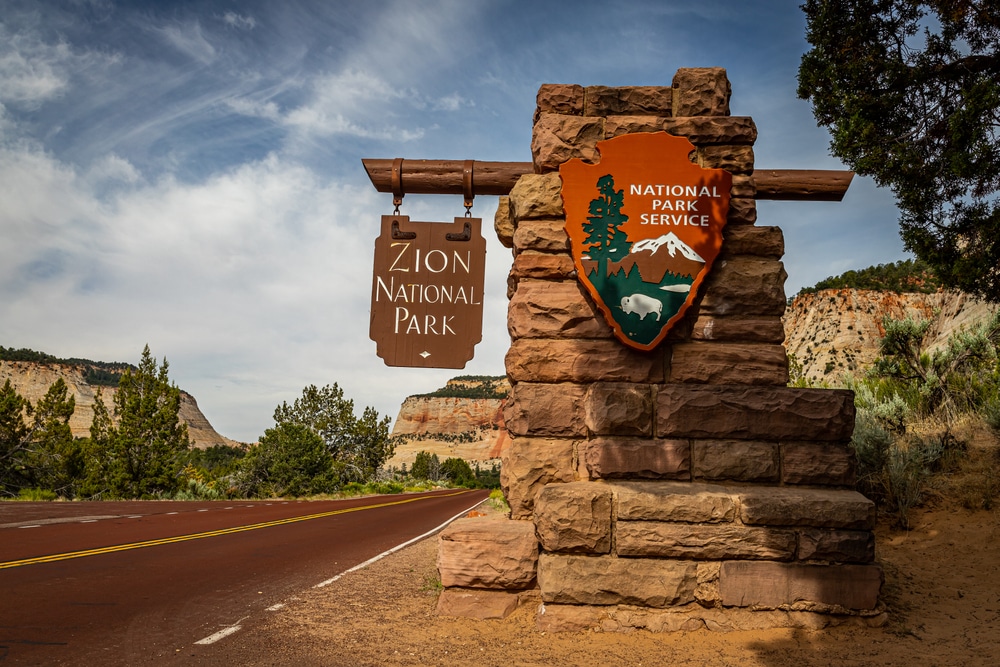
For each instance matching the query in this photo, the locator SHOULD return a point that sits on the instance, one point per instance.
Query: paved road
(126, 583)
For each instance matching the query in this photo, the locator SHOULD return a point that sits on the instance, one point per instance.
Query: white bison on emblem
(642, 305)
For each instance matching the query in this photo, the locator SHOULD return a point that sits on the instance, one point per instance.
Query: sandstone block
(534, 409)
(560, 98)
(473, 603)
(708, 130)
(728, 363)
(819, 508)
(542, 235)
(742, 212)
(478, 553)
(557, 138)
(745, 286)
(726, 542)
(771, 585)
(618, 408)
(626, 619)
(757, 241)
(616, 126)
(574, 518)
(734, 159)
(503, 222)
(840, 546)
(536, 196)
(543, 266)
(546, 309)
(729, 620)
(820, 463)
(628, 100)
(737, 460)
(569, 617)
(744, 187)
(528, 465)
(603, 580)
(607, 458)
(581, 360)
(673, 501)
(754, 413)
(748, 329)
(701, 91)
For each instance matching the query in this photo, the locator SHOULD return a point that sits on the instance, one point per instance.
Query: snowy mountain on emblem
(673, 246)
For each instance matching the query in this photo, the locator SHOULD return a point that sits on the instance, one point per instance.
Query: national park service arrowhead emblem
(645, 225)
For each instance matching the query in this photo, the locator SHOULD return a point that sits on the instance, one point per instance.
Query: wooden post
(444, 177)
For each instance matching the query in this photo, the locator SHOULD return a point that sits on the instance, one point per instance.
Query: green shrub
(36, 495)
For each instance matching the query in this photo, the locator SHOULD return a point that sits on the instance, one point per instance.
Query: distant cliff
(32, 379)
(833, 332)
(463, 420)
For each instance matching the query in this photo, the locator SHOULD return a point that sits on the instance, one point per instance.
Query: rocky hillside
(32, 379)
(833, 332)
(464, 420)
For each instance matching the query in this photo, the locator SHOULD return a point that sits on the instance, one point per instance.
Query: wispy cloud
(31, 71)
(189, 40)
(239, 21)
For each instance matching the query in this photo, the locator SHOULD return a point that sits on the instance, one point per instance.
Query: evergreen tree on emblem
(605, 241)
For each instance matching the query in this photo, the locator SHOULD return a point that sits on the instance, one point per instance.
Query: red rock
(542, 235)
(770, 585)
(618, 408)
(819, 463)
(726, 542)
(745, 287)
(543, 266)
(673, 501)
(617, 457)
(736, 460)
(547, 309)
(742, 329)
(574, 518)
(560, 98)
(534, 409)
(754, 413)
(473, 603)
(627, 100)
(557, 138)
(528, 465)
(741, 212)
(581, 361)
(496, 554)
(766, 242)
(701, 91)
(503, 223)
(819, 508)
(728, 363)
(842, 546)
(536, 196)
(604, 580)
(734, 159)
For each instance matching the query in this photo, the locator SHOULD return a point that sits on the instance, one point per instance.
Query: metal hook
(467, 189)
(397, 184)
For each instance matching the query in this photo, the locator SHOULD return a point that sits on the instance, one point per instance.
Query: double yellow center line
(212, 533)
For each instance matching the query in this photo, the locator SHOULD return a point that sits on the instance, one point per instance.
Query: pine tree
(605, 241)
(137, 452)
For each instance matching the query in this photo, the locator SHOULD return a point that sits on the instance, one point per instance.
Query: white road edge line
(398, 547)
(221, 634)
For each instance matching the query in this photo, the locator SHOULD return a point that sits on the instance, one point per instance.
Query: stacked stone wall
(688, 485)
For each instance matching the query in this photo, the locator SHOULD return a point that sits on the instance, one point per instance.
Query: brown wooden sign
(645, 225)
(427, 292)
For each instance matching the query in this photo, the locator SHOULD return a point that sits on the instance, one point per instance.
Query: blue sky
(188, 174)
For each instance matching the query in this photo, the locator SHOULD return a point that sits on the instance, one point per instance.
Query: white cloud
(189, 40)
(239, 21)
(31, 72)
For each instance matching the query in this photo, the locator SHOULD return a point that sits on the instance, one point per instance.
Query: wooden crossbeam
(444, 177)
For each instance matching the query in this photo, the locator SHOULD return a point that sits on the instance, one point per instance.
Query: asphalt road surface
(128, 583)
